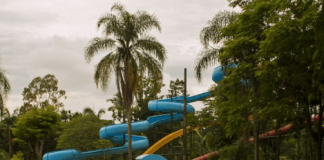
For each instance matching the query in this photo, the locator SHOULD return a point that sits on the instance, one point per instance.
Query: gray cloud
(49, 37)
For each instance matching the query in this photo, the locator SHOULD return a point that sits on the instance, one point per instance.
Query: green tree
(294, 44)
(134, 53)
(240, 35)
(210, 36)
(5, 89)
(90, 111)
(147, 90)
(66, 115)
(6, 124)
(176, 88)
(34, 127)
(42, 92)
(82, 133)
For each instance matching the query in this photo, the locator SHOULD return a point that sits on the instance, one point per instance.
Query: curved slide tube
(115, 132)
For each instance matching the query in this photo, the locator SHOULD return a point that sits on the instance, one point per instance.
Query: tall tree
(34, 127)
(42, 92)
(294, 43)
(239, 38)
(133, 53)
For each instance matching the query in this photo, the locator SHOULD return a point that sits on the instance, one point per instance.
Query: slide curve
(115, 132)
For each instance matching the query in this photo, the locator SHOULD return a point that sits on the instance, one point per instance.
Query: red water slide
(281, 131)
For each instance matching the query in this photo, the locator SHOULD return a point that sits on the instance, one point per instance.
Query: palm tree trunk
(129, 129)
(128, 99)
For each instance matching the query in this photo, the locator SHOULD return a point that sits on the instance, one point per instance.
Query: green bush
(18, 156)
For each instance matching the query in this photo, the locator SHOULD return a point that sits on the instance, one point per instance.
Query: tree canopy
(34, 127)
(42, 92)
(82, 133)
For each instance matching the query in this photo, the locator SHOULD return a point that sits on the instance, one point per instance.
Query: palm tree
(5, 89)
(210, 37)
(133, 53)
(90, 111)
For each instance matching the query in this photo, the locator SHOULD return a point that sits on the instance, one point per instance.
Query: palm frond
(133, 72)
(205, 58)
(145, 22)
(118, 7)
(5, 87)
(96, 45)
(101, 112)
(88, 111)
(107, 19)
(150, 64)
(104, 69)
(212, 33)
(150, 45)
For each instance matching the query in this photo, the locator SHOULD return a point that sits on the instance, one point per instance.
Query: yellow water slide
(166, 140)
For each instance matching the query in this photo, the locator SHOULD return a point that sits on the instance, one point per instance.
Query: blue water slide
(115, 132)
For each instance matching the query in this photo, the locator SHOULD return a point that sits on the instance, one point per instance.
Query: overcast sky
(39, 37)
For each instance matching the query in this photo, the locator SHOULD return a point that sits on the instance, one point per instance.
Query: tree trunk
(36, 149)
(129, 129)
(256, 136)
(256, 127)
(10, 144)
(319, 133)
(39, 145)
(128, 99)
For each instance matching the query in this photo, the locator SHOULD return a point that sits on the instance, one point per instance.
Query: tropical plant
(210, 36)
(133, 53)
(5, 89)
(90, 111)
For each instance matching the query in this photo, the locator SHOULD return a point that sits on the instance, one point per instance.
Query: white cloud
(49, 37)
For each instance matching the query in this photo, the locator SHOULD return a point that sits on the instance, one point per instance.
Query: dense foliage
(33, 128)
(278, 78)
(82, 133)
